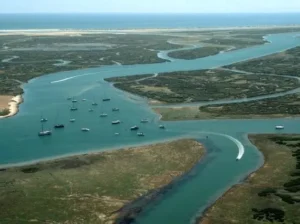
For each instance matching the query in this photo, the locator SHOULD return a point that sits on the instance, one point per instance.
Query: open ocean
(135, 21)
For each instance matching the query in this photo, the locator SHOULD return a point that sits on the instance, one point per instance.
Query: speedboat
(279, 127)
(59, 126)
(103, 115)
(140, 134)
(106, 99)
(44, 119)
(44, 133)
(133, 128)
(116, 122)
(72, 120)
(115, 109)
(162, 126)
(144, 121)
(85, 129)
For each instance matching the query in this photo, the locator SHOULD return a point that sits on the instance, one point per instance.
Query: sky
(149, 6)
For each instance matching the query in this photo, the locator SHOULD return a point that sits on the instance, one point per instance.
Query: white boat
(44, 119)
(44, 133)
(103, 115)
(140, 134)
(116, 122)
(115, 109)
(144, 121)
(279, 127)
(117, 133)
(73, 108)
(72, 120)
(133, 128)
(83, 99)
(85, 129)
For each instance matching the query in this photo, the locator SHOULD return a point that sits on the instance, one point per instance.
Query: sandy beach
(13, 106)
(73, 32)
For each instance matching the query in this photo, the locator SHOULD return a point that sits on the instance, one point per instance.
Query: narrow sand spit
(13, 106)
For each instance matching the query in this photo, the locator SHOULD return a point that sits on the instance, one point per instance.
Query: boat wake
(72, 77)
(240, 146)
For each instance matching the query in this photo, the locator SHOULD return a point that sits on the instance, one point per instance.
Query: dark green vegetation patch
(203, 85)
(271, 194)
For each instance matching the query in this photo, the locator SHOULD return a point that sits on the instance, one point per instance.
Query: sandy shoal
(12, 103)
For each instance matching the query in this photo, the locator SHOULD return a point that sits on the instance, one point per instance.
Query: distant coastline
(137, 30)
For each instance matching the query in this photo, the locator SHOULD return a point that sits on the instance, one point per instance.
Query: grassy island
(197, 53)
(284, 106)
(203, 85)
(284, 63)
(271, 194)
(93, 188)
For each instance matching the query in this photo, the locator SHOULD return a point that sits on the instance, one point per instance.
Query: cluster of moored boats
(85, 129)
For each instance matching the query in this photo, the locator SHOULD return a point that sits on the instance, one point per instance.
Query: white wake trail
(72, 77)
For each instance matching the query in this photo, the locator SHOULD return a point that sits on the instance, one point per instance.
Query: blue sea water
(134, 21)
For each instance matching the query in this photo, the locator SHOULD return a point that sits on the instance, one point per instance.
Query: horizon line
(139, 13)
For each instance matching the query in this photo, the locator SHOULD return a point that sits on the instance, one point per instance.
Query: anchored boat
(133, 128)
(162, 126)
(144, 120)
(44, 132)
(44, 119)
(73, 108)
(140, 134)
(59, 126)
(116, 122)
(85, 129)
(279, 127)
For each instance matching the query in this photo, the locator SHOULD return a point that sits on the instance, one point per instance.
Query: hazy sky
(159, 6)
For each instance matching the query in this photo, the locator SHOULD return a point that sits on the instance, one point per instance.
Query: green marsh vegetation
(271, 194)
(203, 85)
(91, 188)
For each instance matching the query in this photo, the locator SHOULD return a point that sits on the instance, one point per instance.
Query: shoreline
(13, 106)
(91, 152)
(52, 32)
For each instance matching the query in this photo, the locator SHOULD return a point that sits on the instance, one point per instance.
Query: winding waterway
(218, 171)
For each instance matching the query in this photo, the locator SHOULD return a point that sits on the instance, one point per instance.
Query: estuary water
(47, 96)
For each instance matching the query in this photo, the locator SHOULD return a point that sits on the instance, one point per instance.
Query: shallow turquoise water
(216, 173)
